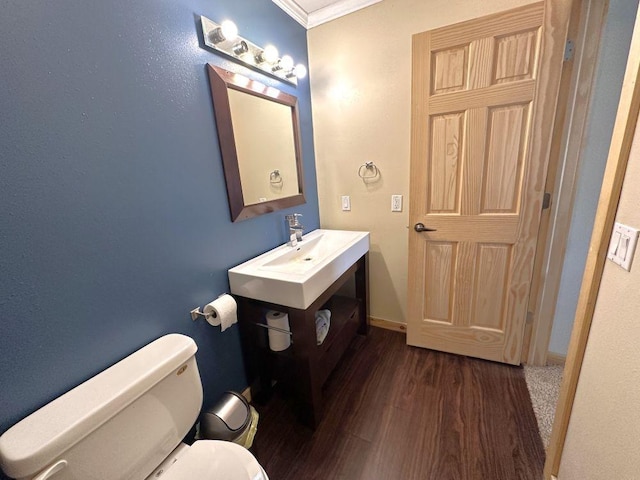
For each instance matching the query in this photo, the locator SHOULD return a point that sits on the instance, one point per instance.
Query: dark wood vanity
(303, 368)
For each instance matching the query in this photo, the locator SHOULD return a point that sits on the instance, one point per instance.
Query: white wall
(360, 70)
(604, 429)
(602, 111)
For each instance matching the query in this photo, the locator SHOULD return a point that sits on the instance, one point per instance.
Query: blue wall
(115, 221)
(612, 61)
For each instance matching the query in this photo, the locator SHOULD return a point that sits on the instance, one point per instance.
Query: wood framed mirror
(259, 135)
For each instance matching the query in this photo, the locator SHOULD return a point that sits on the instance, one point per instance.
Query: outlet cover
(396, 203)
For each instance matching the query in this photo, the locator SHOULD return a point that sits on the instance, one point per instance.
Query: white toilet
(127, 423)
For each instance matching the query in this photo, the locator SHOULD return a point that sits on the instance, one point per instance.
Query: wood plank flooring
(395, 412)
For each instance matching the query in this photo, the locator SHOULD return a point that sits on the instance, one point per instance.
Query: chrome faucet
(295, 227)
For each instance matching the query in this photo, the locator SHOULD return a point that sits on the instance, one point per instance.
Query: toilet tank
(119, 424)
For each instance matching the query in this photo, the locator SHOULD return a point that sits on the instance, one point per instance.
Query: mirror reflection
(259, 134)
(266, 147)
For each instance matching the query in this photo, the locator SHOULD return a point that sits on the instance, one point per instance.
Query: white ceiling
(313, 5)
(311, 13)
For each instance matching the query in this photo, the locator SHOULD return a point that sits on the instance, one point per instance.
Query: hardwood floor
(398, 412)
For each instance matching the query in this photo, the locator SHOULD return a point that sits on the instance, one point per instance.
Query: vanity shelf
(304, 367)
(344, 325)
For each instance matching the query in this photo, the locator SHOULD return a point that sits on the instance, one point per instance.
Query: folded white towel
(323, 322)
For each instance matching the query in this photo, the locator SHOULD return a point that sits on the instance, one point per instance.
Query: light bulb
(286, 63)
(270, 54)
(300, 71)
(229, 30)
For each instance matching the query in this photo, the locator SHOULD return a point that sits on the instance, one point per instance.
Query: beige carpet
(544, 386)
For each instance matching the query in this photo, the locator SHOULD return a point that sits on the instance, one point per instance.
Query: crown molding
(323, 15)
(294, 11)
(337, 10)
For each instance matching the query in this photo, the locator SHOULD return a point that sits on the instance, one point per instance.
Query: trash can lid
(233, 410)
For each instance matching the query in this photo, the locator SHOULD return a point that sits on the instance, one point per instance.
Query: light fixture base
(244, 51)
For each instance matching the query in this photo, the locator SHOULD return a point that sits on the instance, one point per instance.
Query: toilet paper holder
(195, 313)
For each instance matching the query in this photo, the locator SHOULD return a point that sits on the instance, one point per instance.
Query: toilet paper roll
(278, 341)
(222, 311)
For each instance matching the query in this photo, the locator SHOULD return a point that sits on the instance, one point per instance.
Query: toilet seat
(213, 460)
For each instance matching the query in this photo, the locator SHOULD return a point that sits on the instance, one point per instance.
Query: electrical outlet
(396, 203)
(346, 203)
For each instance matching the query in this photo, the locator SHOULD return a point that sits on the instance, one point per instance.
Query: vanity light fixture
(268, 55)
(226, 32)
(240, 48)
(299, 71)
(285, 64)
(224, 38)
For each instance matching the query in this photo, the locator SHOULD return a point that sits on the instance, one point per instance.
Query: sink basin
(296, 276)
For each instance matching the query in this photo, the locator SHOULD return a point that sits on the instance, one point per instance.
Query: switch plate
(346, 203)
(623, 245)
(396, 203)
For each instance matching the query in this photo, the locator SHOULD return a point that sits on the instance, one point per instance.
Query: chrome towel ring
(368, 170)
(275, 178)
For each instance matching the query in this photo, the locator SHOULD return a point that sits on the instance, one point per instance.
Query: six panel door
(473, 101)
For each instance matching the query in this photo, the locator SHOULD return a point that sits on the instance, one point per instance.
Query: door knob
(419, 227)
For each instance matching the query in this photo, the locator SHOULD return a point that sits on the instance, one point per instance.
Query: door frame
(585, 30)
(617, 160)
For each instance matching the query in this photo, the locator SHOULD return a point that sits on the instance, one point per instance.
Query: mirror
(259, 135)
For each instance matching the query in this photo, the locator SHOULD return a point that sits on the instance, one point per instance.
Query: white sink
(296, 276)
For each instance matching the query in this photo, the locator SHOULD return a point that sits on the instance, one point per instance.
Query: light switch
(615, 243)
(623, 245)
(346, 203)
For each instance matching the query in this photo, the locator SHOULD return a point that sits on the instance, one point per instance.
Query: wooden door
(477, 177)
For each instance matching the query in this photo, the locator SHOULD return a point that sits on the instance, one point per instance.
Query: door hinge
(546, 200)
(529, 318)
(569, 49)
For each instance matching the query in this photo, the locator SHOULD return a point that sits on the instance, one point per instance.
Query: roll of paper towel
(222, 311)
(278, 341)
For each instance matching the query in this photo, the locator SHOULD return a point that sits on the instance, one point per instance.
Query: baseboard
(556, 359)
(388, 325)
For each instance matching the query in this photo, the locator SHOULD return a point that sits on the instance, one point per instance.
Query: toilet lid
(215, 460)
